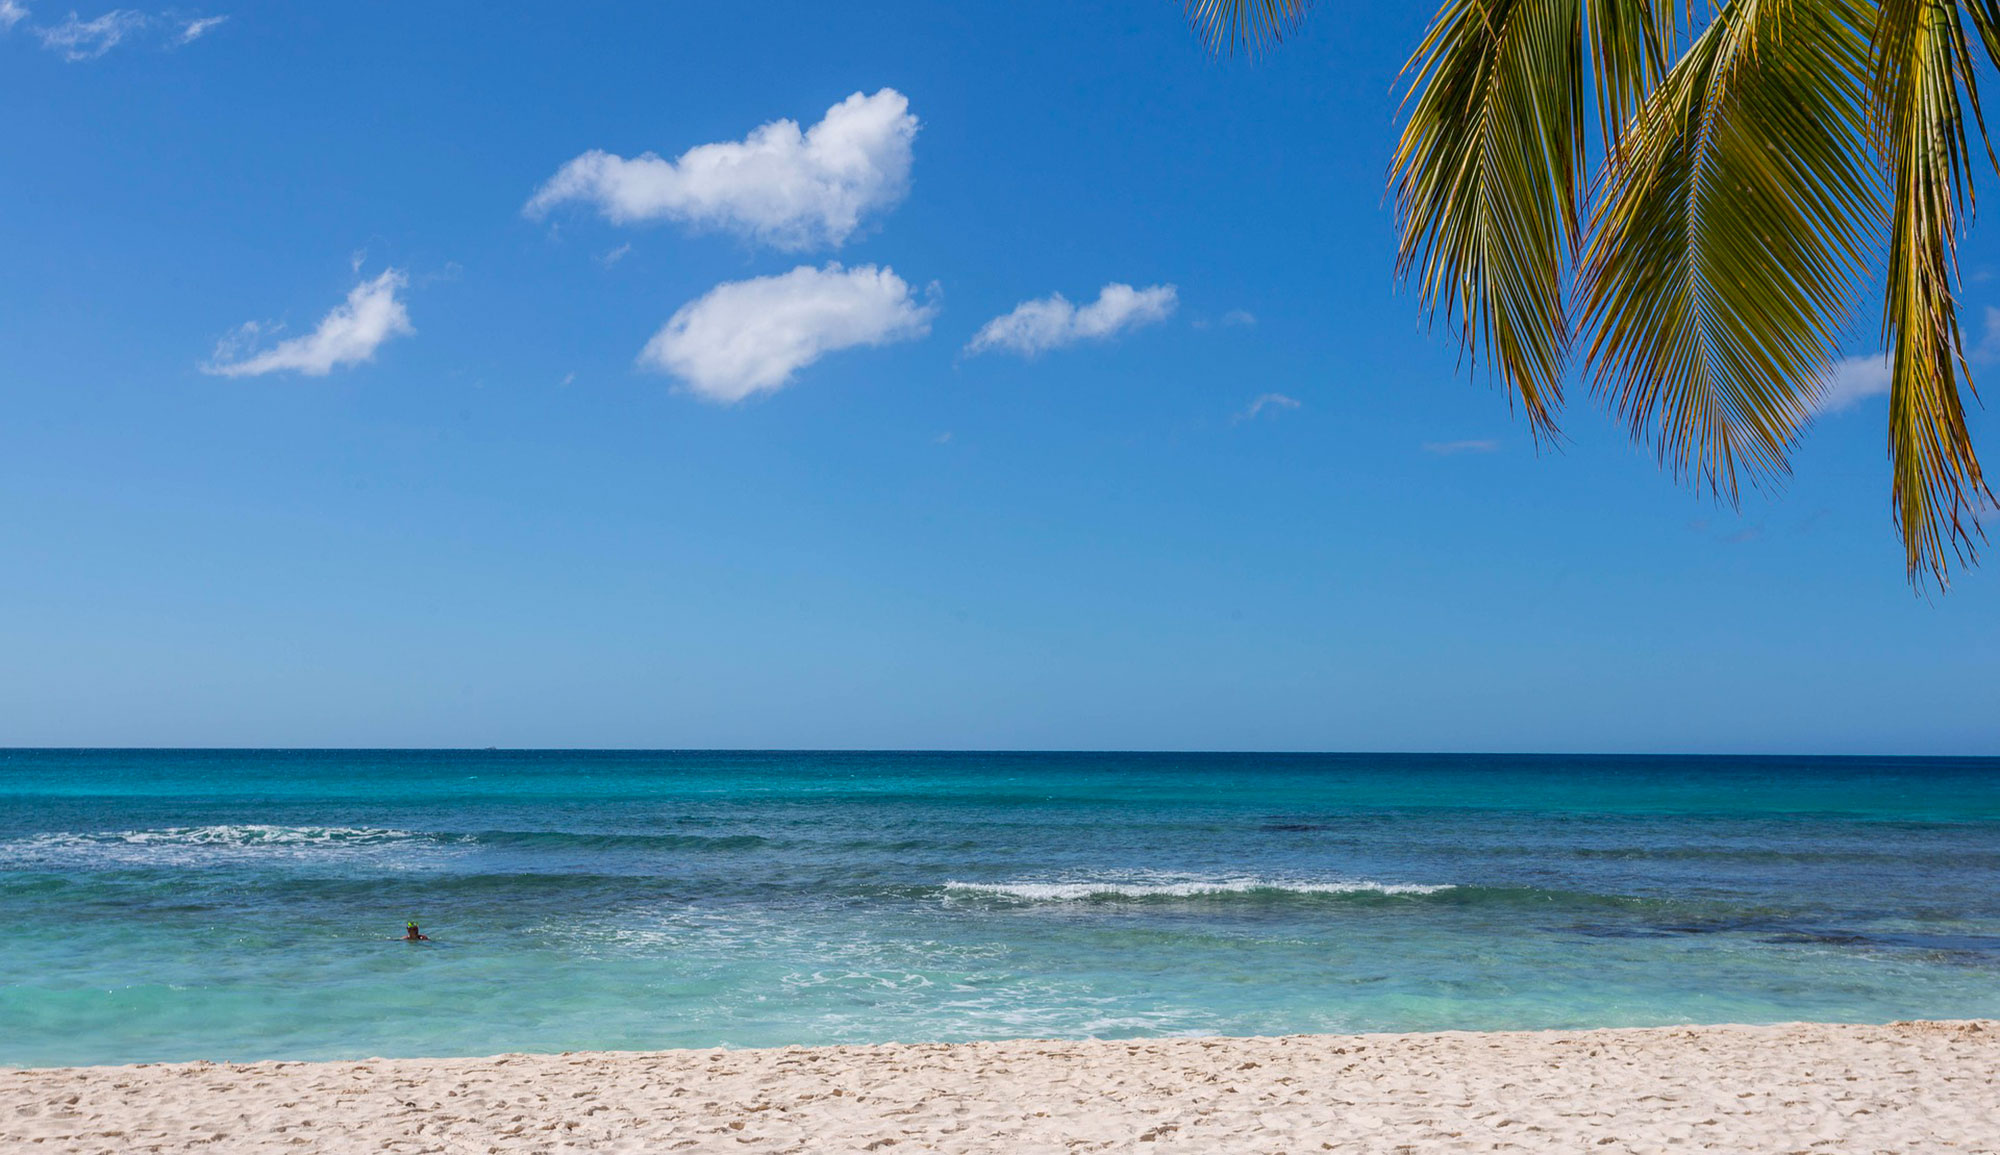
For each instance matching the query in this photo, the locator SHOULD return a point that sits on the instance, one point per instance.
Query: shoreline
(1809, 1087)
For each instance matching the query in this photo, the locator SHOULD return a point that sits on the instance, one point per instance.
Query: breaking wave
(184, 845)
(1109, 891)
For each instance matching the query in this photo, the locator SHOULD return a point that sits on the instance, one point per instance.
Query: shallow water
(239, 905)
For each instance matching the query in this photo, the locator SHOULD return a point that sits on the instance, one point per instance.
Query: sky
(880, 376)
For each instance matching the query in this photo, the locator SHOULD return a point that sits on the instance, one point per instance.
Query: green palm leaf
(1726, 256)
(1922, 64)
(1488, 176)
(1487, 183)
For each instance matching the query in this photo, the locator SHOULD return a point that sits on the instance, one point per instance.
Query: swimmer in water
(415, 935)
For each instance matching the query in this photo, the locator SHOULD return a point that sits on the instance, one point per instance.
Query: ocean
(237, 905)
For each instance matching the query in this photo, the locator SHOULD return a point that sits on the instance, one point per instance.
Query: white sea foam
(189, 845)
(1081, 891)
(255, 834)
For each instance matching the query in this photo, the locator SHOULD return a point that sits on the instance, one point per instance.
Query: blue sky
(675, 479)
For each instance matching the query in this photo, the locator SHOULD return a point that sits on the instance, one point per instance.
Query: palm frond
(1488, 185)
(1629, 41)
(1727, 252)
(1254, 25)
(1922, 64)
(1742, 197)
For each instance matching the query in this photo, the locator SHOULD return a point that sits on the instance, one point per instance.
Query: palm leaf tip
(1487, 185)
(1256, 26)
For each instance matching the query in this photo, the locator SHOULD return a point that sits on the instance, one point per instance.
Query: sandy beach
(1805, 1087)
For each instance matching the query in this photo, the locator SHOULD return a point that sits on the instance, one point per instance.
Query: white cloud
(1450, 448)
(79, 39)
(349, 335)
(1272, 401)
(746, 337)
(11, 14)
(1854, 380)
(197, 28)
(780, 186)
(1988, 349)
(1052, 322)
(615, 255)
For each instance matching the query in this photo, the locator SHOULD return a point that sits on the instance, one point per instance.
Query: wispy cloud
(1051, 322)
(615, 255)
(1233, 319)
(1854, 380)
(349, 335)
(78, 39)
(747, 337)
(1271, 401)
(1740, 535)
(1988, 349)
(1449, 448)
(195, 29)
(780, 186)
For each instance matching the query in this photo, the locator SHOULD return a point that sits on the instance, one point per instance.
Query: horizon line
(989, 750)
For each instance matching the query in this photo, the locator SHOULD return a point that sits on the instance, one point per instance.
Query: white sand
(1907, 1087)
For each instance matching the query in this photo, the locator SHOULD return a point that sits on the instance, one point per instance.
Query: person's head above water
(414, 934)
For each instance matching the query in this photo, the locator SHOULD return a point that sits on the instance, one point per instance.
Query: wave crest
(250, 834)
(192, 845)
(1109, 891)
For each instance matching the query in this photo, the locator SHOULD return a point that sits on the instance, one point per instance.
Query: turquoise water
(238, 905)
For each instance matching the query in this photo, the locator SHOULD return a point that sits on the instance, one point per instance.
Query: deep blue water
(239, 904)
